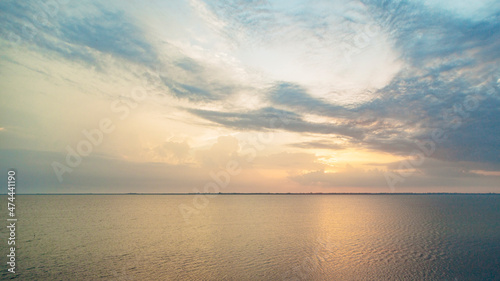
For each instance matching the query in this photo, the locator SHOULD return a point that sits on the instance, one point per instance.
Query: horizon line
(267, 193)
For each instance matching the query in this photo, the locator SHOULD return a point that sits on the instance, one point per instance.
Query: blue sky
(316, 96)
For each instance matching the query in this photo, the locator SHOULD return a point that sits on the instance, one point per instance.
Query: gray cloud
(451, 62)
(432, 174)
(297, 98)
(81, 38)
(272, 118)
(35, 174)
(319, 144)
(110, 33)
(189, 64)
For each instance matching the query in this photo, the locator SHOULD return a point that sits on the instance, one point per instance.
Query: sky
(250, 96)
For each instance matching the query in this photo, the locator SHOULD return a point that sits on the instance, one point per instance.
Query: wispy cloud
(94, 32)
(268, 118)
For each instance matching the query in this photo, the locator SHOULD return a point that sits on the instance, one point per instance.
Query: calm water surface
(256, 237)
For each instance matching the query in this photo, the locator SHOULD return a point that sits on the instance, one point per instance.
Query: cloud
(448, 83)
(433, 168)
(99, 174)
(172, 152)
(189, 64)
(109, 32)
(289, 161)
(224, 150)
(190, 92)
(318, 144)
(272, 118)
(75, 33)
(296, 97)
(477, 138)
(433, 175)
(346, 177)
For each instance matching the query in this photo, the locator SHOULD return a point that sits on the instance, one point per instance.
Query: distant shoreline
(262, 193)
